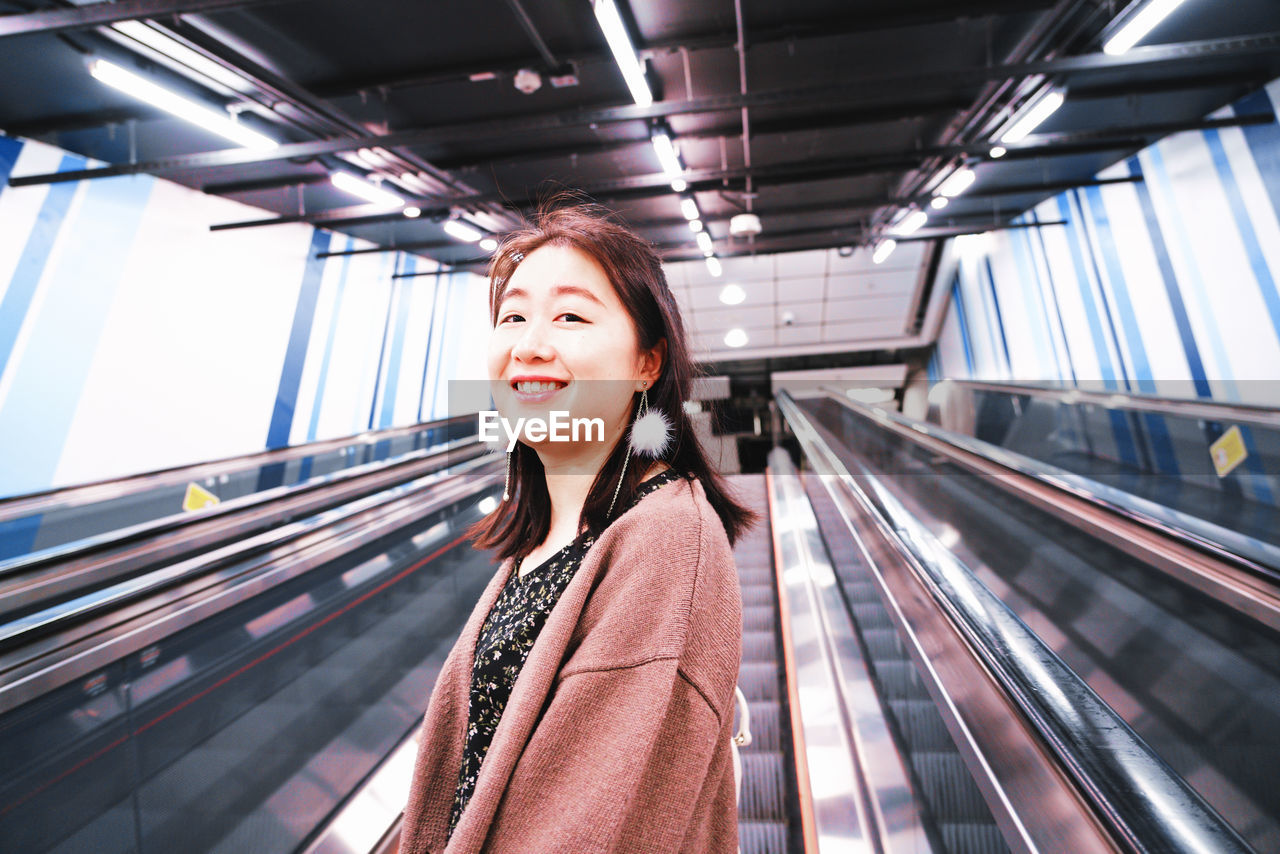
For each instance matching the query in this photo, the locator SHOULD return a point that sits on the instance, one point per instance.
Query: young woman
(588, 704)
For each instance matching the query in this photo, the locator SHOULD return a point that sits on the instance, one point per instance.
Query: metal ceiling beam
(1148, 57)
(876, 114)
(860, 24)
(531, 30)
(785, 243)
(103, 14)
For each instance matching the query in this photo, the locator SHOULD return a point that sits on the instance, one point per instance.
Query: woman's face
(561, 322)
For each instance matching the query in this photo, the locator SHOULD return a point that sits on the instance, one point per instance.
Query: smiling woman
(588, 704)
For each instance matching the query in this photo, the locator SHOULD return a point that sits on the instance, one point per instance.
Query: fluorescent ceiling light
(957, 182)
(413, 213)
(911, 223)
(349, 183)
(713, 266)
(615, 33)
(735, 337)
(883, 250)
(1137, 27)
(488, 244)
(1034, 117)
(175, 50)
(998, 151)
(667, 155)
(939, 202)
(458, 229)
(704, 242)
(689, 208)
(732, 294)
(171, 102)
(695, 225)
(679, 185)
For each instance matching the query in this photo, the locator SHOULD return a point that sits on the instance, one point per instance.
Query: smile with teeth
(535, 387)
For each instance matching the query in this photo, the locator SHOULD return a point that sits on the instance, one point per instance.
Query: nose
(533, 345)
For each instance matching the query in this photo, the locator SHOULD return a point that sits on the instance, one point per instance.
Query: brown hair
(635, 270)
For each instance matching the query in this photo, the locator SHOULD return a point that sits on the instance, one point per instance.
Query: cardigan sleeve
(622, 760)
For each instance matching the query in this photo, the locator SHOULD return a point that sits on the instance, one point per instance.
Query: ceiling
(833, 118)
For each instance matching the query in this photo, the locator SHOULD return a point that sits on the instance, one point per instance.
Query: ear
(651, 363)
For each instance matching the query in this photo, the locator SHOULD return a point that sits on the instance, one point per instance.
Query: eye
(572, 315)
(509, 317)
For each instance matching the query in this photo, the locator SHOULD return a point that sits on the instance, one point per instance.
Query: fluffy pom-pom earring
(651, 432)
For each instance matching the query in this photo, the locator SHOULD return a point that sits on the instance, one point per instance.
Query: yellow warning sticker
(1228, 451)
(198, 498)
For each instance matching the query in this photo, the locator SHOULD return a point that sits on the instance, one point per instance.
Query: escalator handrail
(253, 503)
(1233, 547)
(1134, 793)
(17, 506)
(1208, 410)
(20, 683)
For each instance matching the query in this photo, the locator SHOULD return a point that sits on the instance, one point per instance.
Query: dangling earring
(506, 486)
(650, 435)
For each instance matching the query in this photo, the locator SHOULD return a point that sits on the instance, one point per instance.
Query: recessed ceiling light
(911, 223)
(883, 250)
(735, 337)
(695, 225)
(488, 244)
(459, 230)
(732, 294)
(689, 208)
(939, 202)
(349, 183)
(413, 213)
(679, 185)
(713, 265)
(171, 102)
(1137, 27)
(615, 33)
(704, 242)
(957, 182)
(1034, 116)
(998, 151)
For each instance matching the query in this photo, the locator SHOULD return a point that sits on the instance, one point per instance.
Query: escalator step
(976, 838)
(948, 787)
(759, 646)
(871, 616)
(755, 577)
(757, 594)
(759, 618)
(898, 680)
(762, 837)
(921, 725)
(765, 733)
(759, 680)
(883, 645)
(762, 781)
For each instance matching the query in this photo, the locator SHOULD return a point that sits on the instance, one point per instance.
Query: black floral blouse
(506, 638)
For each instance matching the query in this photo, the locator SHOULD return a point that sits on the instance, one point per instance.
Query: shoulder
(666, 583)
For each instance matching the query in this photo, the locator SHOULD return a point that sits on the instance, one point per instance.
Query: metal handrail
(89, 493)
(202, 587)
(1256, 556)
(1207, 410)
(1143, 803)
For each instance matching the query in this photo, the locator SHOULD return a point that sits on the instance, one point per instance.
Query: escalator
(1187, 659)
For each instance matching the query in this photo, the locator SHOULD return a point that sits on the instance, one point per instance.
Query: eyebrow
(558, 290)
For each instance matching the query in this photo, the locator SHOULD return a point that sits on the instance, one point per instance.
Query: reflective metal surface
(862, 795)
(1132, 792)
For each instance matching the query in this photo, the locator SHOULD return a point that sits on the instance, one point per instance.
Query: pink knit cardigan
(616, 736)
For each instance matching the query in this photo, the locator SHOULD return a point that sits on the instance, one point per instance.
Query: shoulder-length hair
(635, 270)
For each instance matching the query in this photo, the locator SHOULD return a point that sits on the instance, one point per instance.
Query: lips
(532, 389)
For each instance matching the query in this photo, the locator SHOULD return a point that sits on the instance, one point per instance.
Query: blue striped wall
(132, 338)
(1169, 285)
